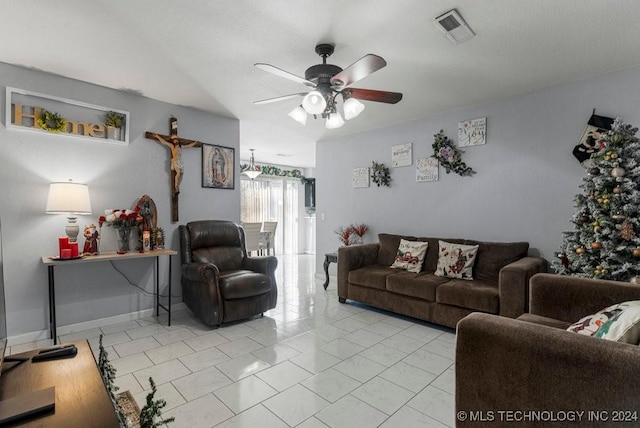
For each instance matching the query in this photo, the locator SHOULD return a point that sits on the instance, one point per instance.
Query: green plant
(116, 120)
(151, 411)
(108, 373)
(449, 157)
(51, 121)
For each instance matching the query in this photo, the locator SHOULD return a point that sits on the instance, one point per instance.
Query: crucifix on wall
(175, 145)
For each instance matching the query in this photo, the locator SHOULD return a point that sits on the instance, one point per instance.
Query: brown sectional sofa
(500, 285)
(532, 364)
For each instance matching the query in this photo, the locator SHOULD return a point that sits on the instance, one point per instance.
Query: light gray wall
(526, 175)
(117, 176)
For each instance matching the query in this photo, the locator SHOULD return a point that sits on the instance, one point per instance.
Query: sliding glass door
(273, 199)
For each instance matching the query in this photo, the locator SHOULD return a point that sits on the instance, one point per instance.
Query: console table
(51, 263)
(328, 258)
(81, 399)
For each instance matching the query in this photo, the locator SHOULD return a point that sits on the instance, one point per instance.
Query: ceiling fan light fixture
(334, 120)
(299, 115)
(253, 171)
(314, 102)
(352, 108)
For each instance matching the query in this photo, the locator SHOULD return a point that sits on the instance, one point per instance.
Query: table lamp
(72, 199)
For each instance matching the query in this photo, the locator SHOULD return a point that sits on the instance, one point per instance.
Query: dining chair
(252, 237)
(269, 229)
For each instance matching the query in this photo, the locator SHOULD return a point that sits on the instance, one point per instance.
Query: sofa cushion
(410, 255)
(389, 247)
(619, 322)
(493, 256)
(540, 320)
(240, 284)
(422, 285)
(374, 276)
(478, 295)
(455, 260)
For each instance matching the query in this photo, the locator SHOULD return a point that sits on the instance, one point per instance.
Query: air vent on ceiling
(454, 27)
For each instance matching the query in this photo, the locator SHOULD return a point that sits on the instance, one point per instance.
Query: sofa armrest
(569, 298)
(504, 364)
(264, 264)
(514, 285)
(200, 272)
(352, 258)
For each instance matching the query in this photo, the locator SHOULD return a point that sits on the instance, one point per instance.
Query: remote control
(64, 351)
(54, 348)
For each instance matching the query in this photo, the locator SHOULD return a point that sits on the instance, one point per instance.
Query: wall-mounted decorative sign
(401, 155)
(31, 111)
(218, 166)
(360, 177)
(427, 169)
(472, 132)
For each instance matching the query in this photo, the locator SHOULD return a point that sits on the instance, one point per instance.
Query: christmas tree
(606, 243)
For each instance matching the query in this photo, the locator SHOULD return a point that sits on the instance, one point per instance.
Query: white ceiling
(200, 53)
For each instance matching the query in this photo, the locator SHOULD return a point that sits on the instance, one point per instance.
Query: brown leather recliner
(219, 282)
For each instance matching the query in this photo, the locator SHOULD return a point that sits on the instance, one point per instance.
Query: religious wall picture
(218, 167)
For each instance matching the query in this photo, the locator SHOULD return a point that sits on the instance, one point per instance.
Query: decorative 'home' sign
(31, 111)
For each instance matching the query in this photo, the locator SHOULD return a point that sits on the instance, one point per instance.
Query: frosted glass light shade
(299, 115)
(314, 103)
(68, 197)
(352, 108)
(334, 121)
(252, 174)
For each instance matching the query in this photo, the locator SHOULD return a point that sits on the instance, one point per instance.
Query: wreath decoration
(380, 174)
(449, 157)
(51, 121)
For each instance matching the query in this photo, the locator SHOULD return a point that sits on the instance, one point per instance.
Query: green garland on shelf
(276, 172)
(51, 121)
(380, 174)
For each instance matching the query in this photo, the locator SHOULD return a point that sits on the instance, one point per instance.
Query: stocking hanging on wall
(591, 137)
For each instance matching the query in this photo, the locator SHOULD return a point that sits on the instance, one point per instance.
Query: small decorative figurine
(91, 238)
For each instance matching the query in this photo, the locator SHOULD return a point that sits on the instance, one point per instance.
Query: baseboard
(86, 325)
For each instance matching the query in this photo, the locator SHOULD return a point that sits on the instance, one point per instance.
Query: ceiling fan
(327, 82)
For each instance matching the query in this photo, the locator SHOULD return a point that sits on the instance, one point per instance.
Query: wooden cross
(176, 145)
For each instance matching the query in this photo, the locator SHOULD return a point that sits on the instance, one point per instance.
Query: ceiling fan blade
(358, 70)
(280, 72)
(373, 95)
(282, 98)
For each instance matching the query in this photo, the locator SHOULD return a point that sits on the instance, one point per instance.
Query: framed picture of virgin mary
(218, 167)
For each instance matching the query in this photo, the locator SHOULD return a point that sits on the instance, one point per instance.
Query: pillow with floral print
(456, 260)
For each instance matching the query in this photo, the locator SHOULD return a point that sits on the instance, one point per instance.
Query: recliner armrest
(262, 264)
(569, 298)
(514, 285)
(503, 364)
(200, 272)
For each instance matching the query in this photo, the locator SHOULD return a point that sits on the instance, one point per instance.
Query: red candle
(74, 249)
(65, 253)
(63, 244)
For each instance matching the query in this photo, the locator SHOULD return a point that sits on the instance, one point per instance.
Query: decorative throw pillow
(619, 322)
(455, 260)
(410, 255)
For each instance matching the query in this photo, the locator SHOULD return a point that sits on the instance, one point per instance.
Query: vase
(355, 240)
(124, 238)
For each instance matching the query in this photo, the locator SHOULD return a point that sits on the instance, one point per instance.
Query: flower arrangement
(51, 121)
(116, 120)
(351, 234)
(449, 157)
(121, 218)
(380, 174)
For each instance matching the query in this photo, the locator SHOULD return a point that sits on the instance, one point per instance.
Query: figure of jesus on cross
(175, 145)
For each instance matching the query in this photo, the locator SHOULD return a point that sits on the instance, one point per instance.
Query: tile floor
(310, 362)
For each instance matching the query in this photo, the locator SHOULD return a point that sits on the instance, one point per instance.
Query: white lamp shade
(252, 173)
(67, 198)
(299, 115)
(352, 108)
(314, 103)
(334, 121)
